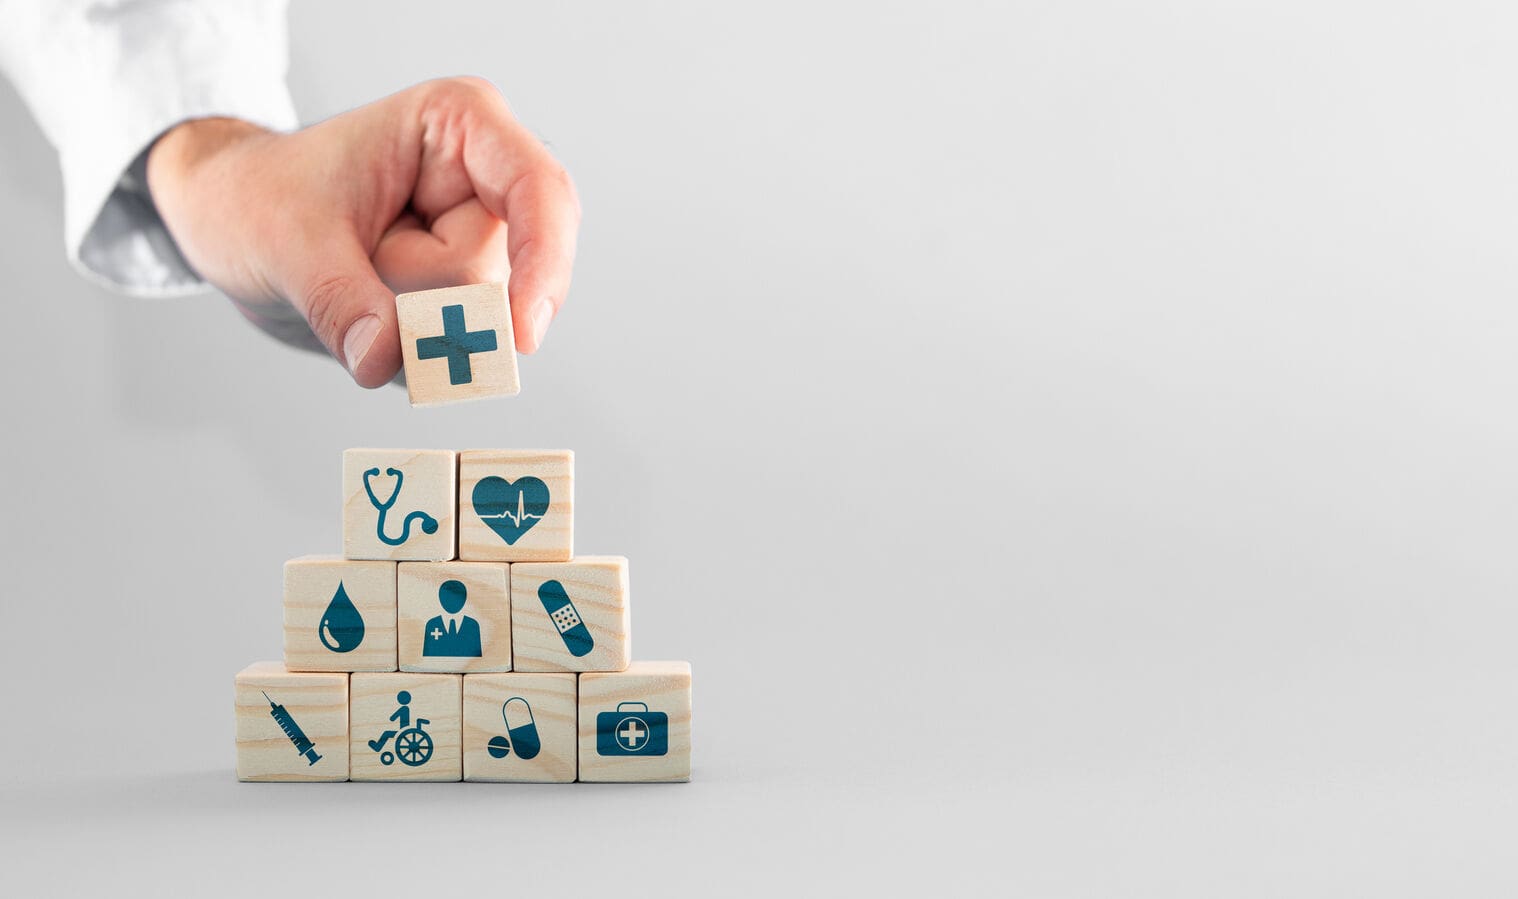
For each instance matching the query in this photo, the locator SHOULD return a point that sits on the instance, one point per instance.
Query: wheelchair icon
(413, 745)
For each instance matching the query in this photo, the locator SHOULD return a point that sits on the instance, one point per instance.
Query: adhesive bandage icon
(566, 619)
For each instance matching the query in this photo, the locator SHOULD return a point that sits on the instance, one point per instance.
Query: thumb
(352, 312)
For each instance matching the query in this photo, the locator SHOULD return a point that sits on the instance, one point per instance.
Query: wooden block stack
(460, 637)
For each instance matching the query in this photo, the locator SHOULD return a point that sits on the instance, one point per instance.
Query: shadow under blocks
(458, 637)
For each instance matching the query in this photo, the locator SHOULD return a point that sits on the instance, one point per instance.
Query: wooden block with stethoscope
(400, 505)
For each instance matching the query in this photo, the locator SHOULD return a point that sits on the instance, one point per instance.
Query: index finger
(517, 179)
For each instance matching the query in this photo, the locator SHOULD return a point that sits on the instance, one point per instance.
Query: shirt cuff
(106, 79)
(113, 231)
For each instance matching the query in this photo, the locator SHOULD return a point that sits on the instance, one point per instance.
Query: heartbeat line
(521, 515)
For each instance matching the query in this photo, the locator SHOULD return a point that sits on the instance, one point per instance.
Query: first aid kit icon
(632, 730)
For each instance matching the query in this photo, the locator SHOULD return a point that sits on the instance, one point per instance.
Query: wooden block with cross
(457, 344)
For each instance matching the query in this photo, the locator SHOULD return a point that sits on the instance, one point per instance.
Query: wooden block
(516, 505)
(520, 728)
(571, 616)
(454, 616)
(635, 724)
(419, 485)
(406, 727)
(457, 344)
(291, 727)
(339, 615)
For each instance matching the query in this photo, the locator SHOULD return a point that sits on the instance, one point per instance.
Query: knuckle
(555, 175)
(480, 272)
(324, 304)
(469, 89)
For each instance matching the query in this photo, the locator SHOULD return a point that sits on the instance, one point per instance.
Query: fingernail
(542, 314)
(358, 340)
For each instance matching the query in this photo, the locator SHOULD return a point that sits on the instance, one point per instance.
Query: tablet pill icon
(566, 619)
(521, 727)
(521, 730)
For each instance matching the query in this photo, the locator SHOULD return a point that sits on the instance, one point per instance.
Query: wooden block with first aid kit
(457, 344)
(635, 725)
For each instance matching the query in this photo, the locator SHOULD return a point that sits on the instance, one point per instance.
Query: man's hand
(434, 186)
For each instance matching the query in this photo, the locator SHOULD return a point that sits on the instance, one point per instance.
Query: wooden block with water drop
(339, 615)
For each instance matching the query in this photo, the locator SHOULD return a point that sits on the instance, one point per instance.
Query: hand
(313, 233)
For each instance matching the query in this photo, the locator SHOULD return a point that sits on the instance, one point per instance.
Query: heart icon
(511, 508)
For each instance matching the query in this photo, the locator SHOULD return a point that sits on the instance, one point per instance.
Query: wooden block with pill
(635, 725)
(291, 726)
(520, 728)
(516, 505)
(457, 344)
(398, 504)
(571, 616)
(453, 616)
(339, 615)
(405, 726)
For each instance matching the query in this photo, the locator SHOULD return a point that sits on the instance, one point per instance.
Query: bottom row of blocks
(615, 726)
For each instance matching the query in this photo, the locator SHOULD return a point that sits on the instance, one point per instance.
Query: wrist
(186, 147)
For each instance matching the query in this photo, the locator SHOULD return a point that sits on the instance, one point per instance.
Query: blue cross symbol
(456, 343)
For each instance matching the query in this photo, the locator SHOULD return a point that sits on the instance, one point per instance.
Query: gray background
(1074, 445)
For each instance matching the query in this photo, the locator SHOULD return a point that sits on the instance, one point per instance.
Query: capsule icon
(521, 730)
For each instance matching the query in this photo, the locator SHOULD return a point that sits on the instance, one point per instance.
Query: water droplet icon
(342, 627)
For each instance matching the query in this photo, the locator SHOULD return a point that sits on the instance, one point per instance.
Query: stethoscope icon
(429, 524)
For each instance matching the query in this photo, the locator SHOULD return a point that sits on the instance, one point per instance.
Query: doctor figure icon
(452, 634)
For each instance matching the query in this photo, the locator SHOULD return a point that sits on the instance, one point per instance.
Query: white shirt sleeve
(105, 78)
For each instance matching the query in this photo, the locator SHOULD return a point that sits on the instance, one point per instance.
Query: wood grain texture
(551, 700)
(428, 484)
(598, 588)
(491, 372)
(663, 687)
(316, 704)
(437, 698)
(311, 582)
(487, 601)
(549, 538)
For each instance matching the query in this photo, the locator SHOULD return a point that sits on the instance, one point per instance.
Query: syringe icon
(303, 744)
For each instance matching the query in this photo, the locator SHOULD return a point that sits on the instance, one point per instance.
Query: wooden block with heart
(516, 505)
